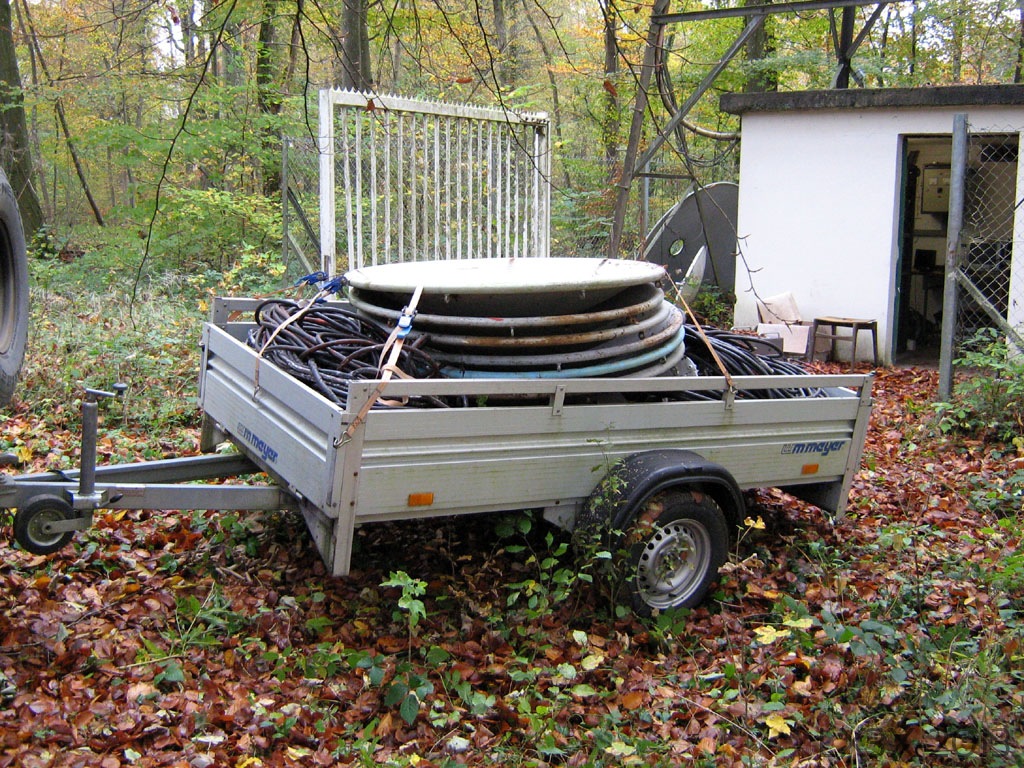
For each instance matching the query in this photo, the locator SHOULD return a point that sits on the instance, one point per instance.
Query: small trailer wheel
(676, 545)
(32, 520)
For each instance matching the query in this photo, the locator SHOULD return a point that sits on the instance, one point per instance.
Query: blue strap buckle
(334, 285)
(405, 324)
(312, 279)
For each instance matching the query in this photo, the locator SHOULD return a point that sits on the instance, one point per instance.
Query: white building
(843, 199)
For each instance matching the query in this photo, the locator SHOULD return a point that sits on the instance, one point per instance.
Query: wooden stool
(833, 323)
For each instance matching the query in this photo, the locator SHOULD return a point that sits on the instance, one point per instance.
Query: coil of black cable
(328, 346)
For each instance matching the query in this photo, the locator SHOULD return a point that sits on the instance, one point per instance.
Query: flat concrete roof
(881, 98)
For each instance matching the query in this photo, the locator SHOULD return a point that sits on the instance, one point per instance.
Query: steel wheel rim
(35, 527)
(673, 563)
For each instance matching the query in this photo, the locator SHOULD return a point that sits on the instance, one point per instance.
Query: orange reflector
(421, 499)
(809, 469)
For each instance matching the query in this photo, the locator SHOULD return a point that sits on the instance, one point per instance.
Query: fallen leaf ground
(891, 637)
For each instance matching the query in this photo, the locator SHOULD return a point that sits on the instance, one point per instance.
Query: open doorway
(989, 206)
(921, 261)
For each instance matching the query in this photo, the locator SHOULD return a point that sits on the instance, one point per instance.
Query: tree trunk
(232, 57)
(505, 69)
(556, 104)
(610, 118)
(625, 181)
(959, 24)
(58, 107)
(33, 131)
(1018, 70)
(268, 97)
(14, 143)
(883, 46)
(355, 47)
(913, 38)
(759, 47)
(294, 45)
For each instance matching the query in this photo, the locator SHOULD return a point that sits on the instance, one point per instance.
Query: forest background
(167, 119)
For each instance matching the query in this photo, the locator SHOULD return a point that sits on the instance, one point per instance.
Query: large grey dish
(666, 326)
(636, 327)
(632, 302)
(502, 287)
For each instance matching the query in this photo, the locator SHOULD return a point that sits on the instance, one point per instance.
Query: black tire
(30, 519)
(675, 546)
(13, 291)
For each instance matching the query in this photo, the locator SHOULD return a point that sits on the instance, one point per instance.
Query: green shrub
(210, 227)
(714, 307)
(988, 402)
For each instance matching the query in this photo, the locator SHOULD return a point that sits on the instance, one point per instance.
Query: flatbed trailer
(630, 457)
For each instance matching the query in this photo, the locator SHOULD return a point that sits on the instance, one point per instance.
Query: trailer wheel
(13, 291)
(677, 543)
(32, 520)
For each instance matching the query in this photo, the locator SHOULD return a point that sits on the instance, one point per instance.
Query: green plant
(278, 722)
(1001, 496)
(409, 688)
(989, 401)
(253, 271)
(553, 582)
(358, 744)
(475, 702)
(85, 317)
(409, 602)
(714, 307)
(207, 623)
(1006, 561)
(198, 624)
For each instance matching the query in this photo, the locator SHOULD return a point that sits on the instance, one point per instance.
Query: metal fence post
(957, 183)
(285, 223)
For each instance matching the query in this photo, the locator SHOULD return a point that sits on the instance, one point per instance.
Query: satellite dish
(704, 218)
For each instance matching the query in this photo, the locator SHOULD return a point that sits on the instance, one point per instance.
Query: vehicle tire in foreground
(676, 545)
(13, 291)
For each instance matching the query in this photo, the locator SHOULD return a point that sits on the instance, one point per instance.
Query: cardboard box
(794, 337)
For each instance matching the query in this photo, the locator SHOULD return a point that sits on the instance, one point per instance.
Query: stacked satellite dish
(533, 317)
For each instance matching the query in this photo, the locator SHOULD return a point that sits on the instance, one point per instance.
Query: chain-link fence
(990, 258)
(300, 200)
(991, 254)
(983, 298)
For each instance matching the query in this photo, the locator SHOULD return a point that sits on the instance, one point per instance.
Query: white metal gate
(407, 180)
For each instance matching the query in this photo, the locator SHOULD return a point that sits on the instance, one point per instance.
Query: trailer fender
(630, 482)
(667, 516)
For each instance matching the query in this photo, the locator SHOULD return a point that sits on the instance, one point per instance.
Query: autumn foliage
(889, 637)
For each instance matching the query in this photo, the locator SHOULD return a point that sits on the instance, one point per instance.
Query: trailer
(659, 477)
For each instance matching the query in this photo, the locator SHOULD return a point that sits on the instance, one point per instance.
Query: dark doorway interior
(921, 265)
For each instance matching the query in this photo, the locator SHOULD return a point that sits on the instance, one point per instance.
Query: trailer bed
(519, 444)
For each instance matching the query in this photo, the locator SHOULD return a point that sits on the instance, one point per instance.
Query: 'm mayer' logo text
(257, 443)
(824, 447)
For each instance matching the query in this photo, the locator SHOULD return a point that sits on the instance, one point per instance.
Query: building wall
(819, 206)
